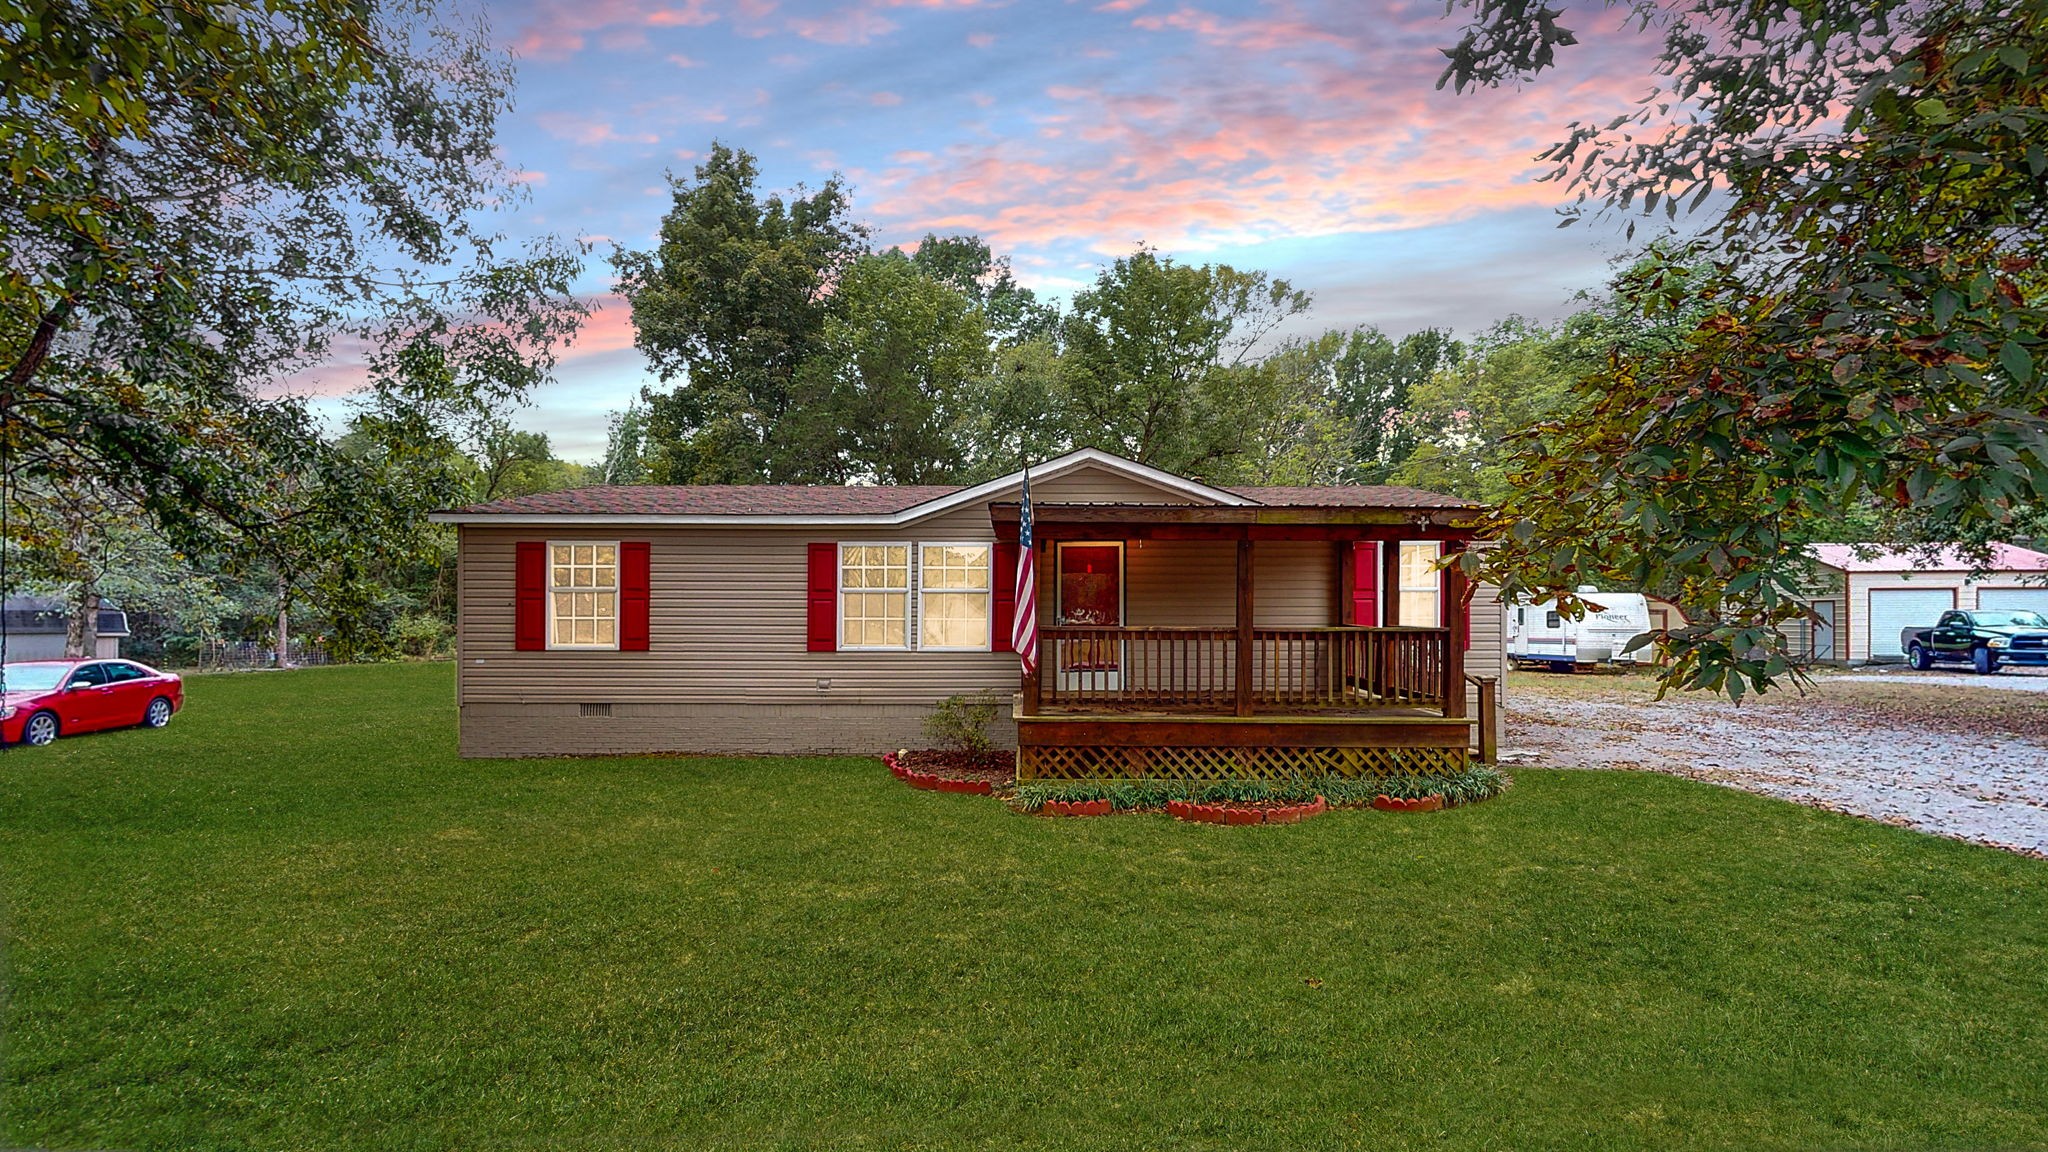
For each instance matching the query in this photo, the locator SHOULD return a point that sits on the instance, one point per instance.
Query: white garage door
(1892, 609)
(2030, 599)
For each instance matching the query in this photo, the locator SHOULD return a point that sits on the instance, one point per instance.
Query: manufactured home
(1870, 594)
(1184, 628)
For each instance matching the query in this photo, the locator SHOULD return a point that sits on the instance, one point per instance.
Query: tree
(625, 436)
(1015, 414)
(200, 197)
(1158, 362)
(1296, 431)
(1873, 306)
(886, 384)
(965, 264)
(728, 306)
(1375, 375)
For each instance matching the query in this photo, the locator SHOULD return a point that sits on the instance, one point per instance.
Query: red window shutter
(1365, 583)
(822, 620)
(1443, 585)
(1003, 614)
(530, 596)
(636, 580)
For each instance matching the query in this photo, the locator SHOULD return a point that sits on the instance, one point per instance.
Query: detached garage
(1885, 591)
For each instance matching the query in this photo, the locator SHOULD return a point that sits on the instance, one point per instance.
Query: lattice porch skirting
(1083, 762)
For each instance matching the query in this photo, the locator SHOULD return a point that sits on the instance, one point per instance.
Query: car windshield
(35, 677)
(2012, 620)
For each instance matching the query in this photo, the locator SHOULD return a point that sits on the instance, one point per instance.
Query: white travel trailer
(1540, 634)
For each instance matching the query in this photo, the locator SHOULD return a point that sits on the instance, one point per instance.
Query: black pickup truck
(1986, 640)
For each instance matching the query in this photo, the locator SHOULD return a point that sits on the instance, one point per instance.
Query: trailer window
(1552, 620)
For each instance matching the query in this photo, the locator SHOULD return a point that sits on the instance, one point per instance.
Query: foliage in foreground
(1476, 783)
(1874, 312)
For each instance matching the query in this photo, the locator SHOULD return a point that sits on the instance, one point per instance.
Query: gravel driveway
(1955, 755)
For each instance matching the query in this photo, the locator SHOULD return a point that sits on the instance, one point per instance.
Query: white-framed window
(1421, 588)
(874, 596)
(583, 594)
(953, 605)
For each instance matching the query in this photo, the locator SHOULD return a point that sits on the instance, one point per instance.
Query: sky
(1304, 139)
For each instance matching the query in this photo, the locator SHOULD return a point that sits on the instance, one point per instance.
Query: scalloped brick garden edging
(933, 782)
(1100, 807)
(1386, 803)
(1230, 814)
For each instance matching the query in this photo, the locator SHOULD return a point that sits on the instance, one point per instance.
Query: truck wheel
(1984, 661)
(1922, 658)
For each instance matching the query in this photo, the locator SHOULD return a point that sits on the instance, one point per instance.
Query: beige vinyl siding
(1095, 486)
(726, 625)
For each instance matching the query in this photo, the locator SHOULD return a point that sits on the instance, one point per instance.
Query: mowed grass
(295, 920)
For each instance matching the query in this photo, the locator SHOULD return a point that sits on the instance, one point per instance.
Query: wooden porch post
(1244, 626)
(1457, 593)
(1489, 718)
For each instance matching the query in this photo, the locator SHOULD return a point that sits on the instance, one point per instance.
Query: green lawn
(295, 920)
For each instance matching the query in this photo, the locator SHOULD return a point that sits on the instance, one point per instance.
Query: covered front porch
(1200, 642)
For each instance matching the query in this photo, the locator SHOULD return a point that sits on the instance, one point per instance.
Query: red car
(48, 698)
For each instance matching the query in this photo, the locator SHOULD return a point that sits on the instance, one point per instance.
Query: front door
(1091, 593)
(1824, 630)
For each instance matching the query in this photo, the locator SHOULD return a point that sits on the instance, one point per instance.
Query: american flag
(1024, 619)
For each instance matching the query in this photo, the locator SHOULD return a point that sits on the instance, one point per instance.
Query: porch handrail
(1180, 667)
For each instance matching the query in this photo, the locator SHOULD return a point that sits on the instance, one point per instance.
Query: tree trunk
(82, 630)
(284, 624)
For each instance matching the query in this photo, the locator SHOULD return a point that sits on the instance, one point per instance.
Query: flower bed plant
(1479, 782)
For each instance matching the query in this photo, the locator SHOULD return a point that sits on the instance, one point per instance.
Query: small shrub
(421, 636)
(960, 723)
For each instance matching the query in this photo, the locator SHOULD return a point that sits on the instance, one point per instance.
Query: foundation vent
(595, 709)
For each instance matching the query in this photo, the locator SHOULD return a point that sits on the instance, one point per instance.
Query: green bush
(960, 723)
(422, 636)
(1476, 783)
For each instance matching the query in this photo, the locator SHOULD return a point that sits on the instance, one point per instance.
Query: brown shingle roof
(871, 500)
(717, 500)
(1352, 496)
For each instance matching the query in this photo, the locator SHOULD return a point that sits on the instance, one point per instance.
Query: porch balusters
(1198, 669)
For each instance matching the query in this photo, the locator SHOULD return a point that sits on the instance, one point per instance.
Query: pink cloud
(981, 39)
(847, 26)
(562, 28)
(1338, 128)
(689, 15)
(885, 99)
(589, 131)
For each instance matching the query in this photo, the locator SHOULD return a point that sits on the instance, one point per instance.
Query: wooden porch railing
(1292, 669)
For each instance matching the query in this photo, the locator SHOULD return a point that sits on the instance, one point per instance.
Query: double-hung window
(583, 595)
(1421, 584)
(874, 596)
(953, 608)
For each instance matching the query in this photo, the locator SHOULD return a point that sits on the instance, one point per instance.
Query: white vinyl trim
(987, 594)
(907, 592)
(557, 646)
